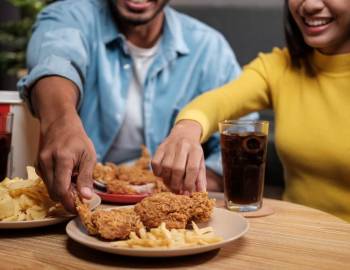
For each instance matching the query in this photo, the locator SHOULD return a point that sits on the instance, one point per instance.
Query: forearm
(64, 145)
(248, 93)
(53, 97)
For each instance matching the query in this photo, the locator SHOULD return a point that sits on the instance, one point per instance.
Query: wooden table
(295, 237)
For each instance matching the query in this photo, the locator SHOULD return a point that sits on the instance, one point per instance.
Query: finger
(192, 169)
(46, 171)
(179, 167)
(63, 168)
(72, 193)
(157, 160)
(185, 193)
(84, 180)
(166, 166)
(201, 182)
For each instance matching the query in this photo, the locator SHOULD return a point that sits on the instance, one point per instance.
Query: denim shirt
(79, 40)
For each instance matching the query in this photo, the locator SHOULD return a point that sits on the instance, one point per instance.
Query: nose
(311, 7)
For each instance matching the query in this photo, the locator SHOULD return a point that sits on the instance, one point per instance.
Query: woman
(307, 86)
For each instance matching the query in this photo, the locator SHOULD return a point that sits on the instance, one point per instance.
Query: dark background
(7, 13)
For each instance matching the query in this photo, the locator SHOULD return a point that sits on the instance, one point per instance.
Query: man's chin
(136, 20)
(137, 17)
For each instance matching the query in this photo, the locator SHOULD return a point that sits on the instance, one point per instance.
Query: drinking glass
(243, 151)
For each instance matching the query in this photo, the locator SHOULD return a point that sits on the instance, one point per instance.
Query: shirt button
(126, 66)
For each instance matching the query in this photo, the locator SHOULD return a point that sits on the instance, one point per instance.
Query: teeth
(317, 22)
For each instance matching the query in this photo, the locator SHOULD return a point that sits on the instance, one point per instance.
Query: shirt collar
(108, 27)
(172, 31)
(336, 63)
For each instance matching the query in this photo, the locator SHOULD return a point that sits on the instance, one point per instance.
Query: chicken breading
(108, 224)
(174, 210)
(125, 179)
(116, 223)
(165, 207)
(201, 207)
(128, 178)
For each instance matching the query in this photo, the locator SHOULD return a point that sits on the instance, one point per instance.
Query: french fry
(161, 237)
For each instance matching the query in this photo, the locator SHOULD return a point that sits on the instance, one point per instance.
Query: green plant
(14, 35)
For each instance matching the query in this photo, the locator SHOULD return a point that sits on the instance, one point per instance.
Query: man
(108, 76)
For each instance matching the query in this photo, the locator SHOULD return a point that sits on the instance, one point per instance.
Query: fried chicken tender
(202, 206)
(109, 224)
(165, 207)
(104, 173)
(174, 210)
(145, 160)
(116, 223)
(120, 187)
(125, 179)
(85, 215)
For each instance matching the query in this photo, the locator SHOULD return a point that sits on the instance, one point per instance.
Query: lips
(139, 5)
(316, 26)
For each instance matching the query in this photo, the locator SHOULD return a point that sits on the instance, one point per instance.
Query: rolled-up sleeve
(57, 47)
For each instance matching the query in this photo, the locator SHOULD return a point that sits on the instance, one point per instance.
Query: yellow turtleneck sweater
(312, 117)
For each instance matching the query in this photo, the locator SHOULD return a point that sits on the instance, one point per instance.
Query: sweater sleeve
(250, 92)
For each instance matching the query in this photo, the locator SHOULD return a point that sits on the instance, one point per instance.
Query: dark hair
(299, 51)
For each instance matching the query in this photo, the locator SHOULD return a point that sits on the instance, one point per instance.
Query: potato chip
(26, 199)
(7, 206)
(31, 174)
(25, 202)
(36, 212)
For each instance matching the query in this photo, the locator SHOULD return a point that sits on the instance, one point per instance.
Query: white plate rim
(99, 184)
(73, 230)
(93, 203)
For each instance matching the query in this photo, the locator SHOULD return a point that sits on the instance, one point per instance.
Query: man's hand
(179, 160)
(65, 149)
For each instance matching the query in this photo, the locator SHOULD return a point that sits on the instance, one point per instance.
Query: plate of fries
(161, 242)
(25, 203)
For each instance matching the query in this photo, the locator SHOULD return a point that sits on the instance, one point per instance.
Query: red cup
(6, 123)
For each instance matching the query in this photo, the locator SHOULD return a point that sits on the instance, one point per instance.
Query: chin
(317, 42)
(137, 20)
(138, 12)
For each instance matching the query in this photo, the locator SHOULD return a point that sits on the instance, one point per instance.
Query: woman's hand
(179, 160)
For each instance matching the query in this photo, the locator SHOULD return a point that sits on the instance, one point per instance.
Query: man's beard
(134, 21)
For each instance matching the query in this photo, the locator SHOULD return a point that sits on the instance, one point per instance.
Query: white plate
(227, 224)
(216, 195)
(93, 203)
(100, 185)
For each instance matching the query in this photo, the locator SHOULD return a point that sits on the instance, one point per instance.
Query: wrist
(64, 115)
(191, 128)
